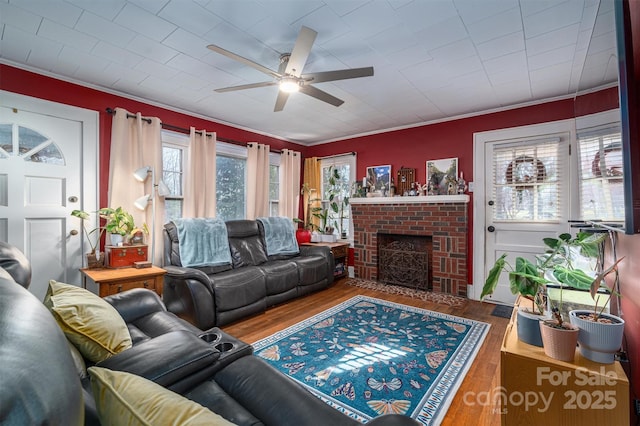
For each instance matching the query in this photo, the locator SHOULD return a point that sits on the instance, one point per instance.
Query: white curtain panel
(290, 163)
(257, 180)
(200, 176)
(136, 143)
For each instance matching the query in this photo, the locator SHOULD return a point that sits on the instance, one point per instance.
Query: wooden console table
(340, 251)
(113, 281)
(538, 390)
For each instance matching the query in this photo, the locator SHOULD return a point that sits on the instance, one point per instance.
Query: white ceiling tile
(19, 18)
(108, 9)
(454, 52)
(443, 33)
(22, 46)
(473, 11)
(342, 7)
(325, 22)
(155, 69)
(144, 22)
(421, 14)
(188, 43)
(512, 62)
(392, 40)
(290, 11)
(553, 18)
(372, 18)
(125, 73)
(566, 36)
(190, 16)
(495, 26)
(550, 58)
(501, 46)
(116, 54)
(55, 10)
(151, 49)
(66, 35)
(104, 30)
(153, 6)
(241, 14)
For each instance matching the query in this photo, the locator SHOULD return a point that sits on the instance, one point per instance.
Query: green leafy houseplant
(84, 216)
(332, 203)
(118, 220)
(556, 265)
(307, 224)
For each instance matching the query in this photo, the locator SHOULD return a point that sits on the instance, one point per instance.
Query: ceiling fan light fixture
(289, 85)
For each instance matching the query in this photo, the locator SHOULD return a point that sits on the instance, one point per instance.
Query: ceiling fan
(289, 76)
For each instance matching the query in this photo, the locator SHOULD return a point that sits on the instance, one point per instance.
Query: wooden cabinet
(538, 390)
(113, 281)
(340, 253)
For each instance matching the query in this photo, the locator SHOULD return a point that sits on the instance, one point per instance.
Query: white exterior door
(522, 195)
(48, 167)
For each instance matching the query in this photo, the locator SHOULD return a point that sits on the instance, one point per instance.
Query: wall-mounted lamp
(143, 202)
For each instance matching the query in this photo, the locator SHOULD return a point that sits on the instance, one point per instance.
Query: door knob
(73, 232)
(73, 199)
(491, 228)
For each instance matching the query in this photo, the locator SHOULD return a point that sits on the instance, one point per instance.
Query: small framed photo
(442, 176)
(379, 179)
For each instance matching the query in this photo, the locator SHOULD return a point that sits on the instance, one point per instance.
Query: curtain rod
(338, 155)
(111, 111)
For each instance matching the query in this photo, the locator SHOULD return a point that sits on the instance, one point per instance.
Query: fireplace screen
(404, 260)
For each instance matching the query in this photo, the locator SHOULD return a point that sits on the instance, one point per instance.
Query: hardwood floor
(484, 375)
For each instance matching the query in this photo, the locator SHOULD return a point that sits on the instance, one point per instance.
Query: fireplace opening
(405, 260)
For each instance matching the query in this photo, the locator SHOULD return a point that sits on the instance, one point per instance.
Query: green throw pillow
(126, 399)
(88, 321)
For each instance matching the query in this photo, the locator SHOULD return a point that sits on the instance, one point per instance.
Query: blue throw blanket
(203, 242)
(279, 235)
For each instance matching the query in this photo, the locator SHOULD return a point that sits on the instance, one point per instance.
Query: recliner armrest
(136, 303)
(166, 359)
(182, 273)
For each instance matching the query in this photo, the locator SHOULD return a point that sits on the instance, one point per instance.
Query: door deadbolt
(491, 228)
(491, 203)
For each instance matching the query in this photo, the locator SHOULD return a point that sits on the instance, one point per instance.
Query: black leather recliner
(44, 378)
(214, 296)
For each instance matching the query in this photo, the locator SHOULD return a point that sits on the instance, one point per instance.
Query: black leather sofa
(214, 296)
(44, 380)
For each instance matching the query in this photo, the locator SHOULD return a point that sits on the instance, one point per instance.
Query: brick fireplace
(443, 218)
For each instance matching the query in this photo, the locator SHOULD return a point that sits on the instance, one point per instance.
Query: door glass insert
(526, 181)
(30, 145)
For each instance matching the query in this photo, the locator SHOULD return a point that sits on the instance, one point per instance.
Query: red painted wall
(30, 84)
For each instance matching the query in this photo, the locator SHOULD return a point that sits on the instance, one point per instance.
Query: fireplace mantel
(412, 200)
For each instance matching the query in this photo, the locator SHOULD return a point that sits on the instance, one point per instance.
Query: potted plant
(332, 192)
(530, 280)
(303, 235)
(95, 259)
(119, 223)
(600, 333)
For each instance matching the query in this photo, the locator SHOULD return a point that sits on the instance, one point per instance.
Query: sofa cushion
(89, 322)
(124, 398)
(246, 243)
(280, 276)
(238, 288)
(311, 269)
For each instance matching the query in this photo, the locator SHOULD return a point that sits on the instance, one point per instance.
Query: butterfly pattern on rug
(374, 357)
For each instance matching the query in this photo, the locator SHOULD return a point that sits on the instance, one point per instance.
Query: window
(346, 168)
(174, 147)
(231, 163)
(601, 174)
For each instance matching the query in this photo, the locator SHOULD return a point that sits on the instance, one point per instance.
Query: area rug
(368, 357)
(427, 296)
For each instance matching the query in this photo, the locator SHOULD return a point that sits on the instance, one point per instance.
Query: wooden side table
(113, 281)
(340, 252)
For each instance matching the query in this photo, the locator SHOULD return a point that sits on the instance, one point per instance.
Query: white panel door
(48, 158)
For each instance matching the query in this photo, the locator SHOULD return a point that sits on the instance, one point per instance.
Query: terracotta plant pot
(598, 341)
(95, 260)
(303, 236)
(559, 343)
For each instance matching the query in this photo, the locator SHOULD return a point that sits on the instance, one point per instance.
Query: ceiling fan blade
(319, 77)
(244, 60)
(246, 86)
(300, 51)
(321, 95)
(281, 100)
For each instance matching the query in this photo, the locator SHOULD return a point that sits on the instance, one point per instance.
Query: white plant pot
(598, 341)
(328, 238)
(116, 239)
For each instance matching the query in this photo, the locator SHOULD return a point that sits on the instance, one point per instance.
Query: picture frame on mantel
(379, 179)
(442, 176)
